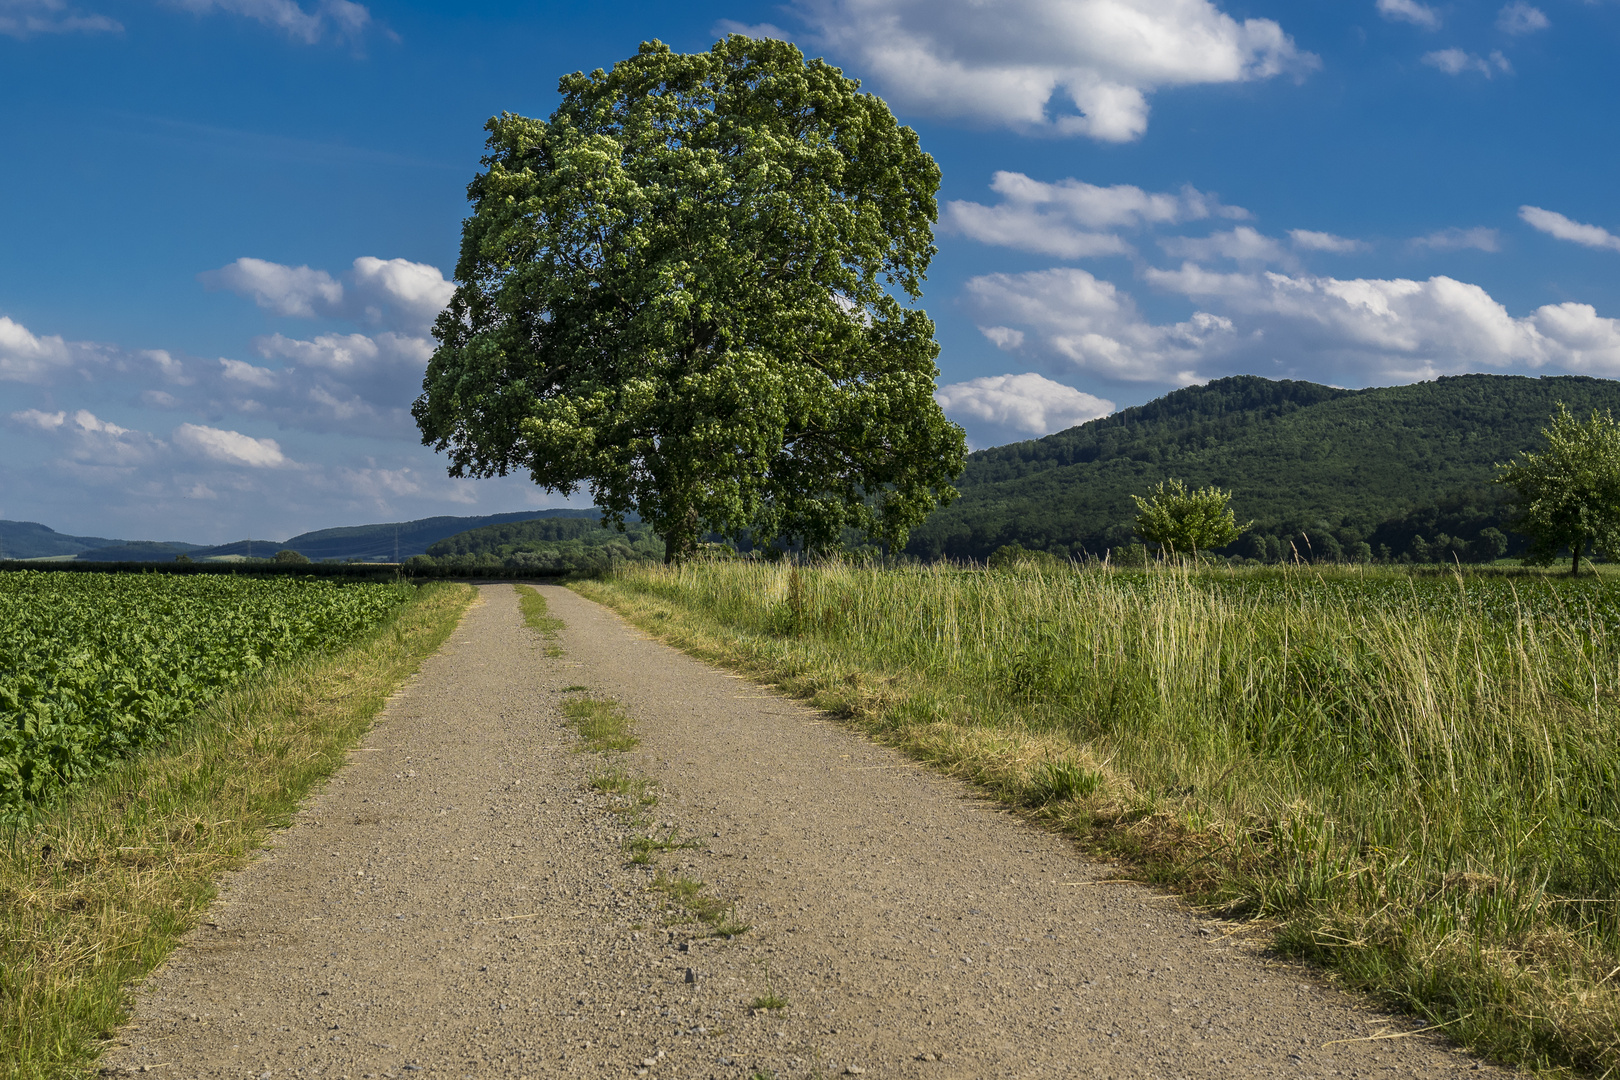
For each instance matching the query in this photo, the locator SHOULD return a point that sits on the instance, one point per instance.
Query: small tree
(291, 557)
(1185, 521)
(1568, 495)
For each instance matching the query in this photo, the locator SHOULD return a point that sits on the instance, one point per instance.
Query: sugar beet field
(94, 667)
(1414, 780)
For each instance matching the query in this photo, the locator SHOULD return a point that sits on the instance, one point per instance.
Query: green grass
(537, 617)
(601, 724)
(135, 853)
(1413, 780)
(718, 917)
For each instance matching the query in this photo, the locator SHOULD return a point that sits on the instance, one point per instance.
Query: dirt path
(455, 903)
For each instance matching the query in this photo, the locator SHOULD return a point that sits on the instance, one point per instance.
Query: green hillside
(1319, 467)
(31, 540)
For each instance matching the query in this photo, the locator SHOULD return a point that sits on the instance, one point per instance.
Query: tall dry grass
(96, 892)
(1424, 795)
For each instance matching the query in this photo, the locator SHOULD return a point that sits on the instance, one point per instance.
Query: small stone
(853, 1070)
(691, 975)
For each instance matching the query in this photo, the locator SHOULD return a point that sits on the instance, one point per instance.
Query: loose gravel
(458, 902)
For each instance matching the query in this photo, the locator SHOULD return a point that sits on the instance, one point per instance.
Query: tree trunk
(680, 542)
(1575, 562)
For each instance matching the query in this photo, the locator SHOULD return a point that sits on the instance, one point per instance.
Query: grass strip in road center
(1415, 782)
(97, 891)
(537, 617)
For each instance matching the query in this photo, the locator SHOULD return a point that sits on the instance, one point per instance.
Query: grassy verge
(95, 894)
(1423, 795)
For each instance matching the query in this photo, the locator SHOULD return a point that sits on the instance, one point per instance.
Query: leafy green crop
(94, 666)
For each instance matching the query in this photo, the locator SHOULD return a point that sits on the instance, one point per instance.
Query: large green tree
(680, 293)
(1568, 494)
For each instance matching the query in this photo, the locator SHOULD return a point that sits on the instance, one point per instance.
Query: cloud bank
(1050, 67)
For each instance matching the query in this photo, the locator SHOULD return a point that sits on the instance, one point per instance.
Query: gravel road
(456, 902)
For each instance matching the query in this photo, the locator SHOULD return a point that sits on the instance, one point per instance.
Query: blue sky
(228, 223)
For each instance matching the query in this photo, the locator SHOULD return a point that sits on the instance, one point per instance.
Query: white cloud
(1064, 218)
(726, 27)
(286, 290)
(92, 443)
(1410, 11)
(1521, 18)
(1306, 240)
(1242, 244)
(341, 19)
(1023, 63)
(1456, 62)
(1557, 225)
(1069, 317)
(1027, 404)
(23, 19)
(229, 447)
(395, 292)
(1357, 331)
(1478, 238)
(247, 374)
(26, 357)
(414, 293)
(43, 420)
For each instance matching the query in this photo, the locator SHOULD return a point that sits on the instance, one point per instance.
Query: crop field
(1414, 780)
(93, 666)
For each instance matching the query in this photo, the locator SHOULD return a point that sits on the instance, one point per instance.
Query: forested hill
(1345, 466)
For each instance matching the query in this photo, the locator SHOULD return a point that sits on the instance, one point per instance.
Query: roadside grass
(97, 891)
(537, 617)
(1423, 796)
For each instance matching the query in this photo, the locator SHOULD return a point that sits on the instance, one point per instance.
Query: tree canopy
(1568, 494)
(678, 292)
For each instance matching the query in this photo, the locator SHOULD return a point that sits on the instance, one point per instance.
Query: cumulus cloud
(1548, 221)
(91, 442)
(1306, 240)
(1410, 11)
(1521, 18)
(27, 357)
(228, 447)
(391, 292)
(286, 290)
(1027, 405)
(1478, 238)
(247, 374)
(1356, 331)
(1242, 244)
(1024, 64)
(340, 20)
(1069, 317)
(400, 291)
(1070, 218)
(37, 418)
(726, 27)
(24, 19)
(1458, 62)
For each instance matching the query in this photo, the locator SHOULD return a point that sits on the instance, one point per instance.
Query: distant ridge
(364, 543)
(31, 540)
